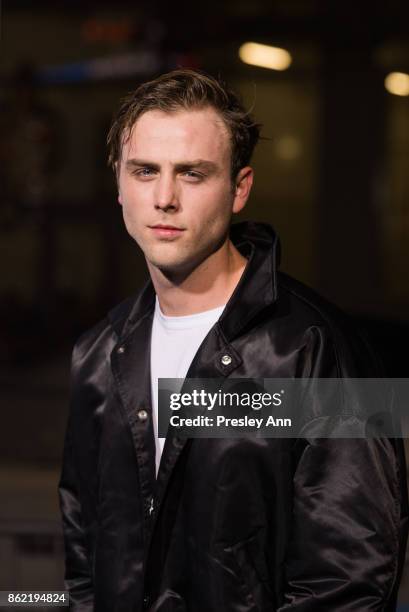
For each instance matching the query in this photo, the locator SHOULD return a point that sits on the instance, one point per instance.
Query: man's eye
(144, 172)
(191, 174)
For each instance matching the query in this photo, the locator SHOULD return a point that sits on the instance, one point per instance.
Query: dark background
(332, 177)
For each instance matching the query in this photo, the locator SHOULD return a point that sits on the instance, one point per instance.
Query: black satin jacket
(235, 525)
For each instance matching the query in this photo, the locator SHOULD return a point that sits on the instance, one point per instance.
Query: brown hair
(186, 89)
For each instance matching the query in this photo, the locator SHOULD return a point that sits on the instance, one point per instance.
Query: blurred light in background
(265, 56)
(397, 83)
(138, 63)
(288, 148)
(107, 30)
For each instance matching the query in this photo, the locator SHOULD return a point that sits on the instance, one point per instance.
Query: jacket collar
(256, 290)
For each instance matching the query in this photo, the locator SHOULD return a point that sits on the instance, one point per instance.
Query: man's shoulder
(311, 313)
(107, 330)
(307, 302)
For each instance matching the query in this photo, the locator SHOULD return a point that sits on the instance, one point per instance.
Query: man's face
(175, 187)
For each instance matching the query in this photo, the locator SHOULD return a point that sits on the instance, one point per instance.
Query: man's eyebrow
(182, 165)
(202, 164)
(140, 163)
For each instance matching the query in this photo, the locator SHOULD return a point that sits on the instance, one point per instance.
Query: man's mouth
(166, 231)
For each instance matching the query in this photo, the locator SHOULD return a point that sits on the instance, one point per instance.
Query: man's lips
(166, 231)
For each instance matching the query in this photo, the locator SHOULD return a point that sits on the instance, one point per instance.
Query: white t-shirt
(174, 343)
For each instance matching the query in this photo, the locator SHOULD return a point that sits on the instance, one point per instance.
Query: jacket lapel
(130, 363)
(207, 363)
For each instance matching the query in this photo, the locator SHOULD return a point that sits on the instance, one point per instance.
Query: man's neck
(208, 286)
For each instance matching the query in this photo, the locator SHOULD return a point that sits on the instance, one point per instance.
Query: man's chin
(173, 268)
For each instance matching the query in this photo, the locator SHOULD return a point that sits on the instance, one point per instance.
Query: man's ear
(242, 187)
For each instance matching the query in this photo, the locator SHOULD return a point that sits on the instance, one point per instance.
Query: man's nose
(166, 197)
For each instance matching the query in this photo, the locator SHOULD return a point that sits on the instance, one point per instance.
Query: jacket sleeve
(78, 580)
(344, 548)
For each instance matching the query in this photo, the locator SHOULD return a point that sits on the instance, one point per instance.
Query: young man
(248, 524)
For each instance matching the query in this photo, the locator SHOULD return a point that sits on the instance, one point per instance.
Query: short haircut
(186, 89)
